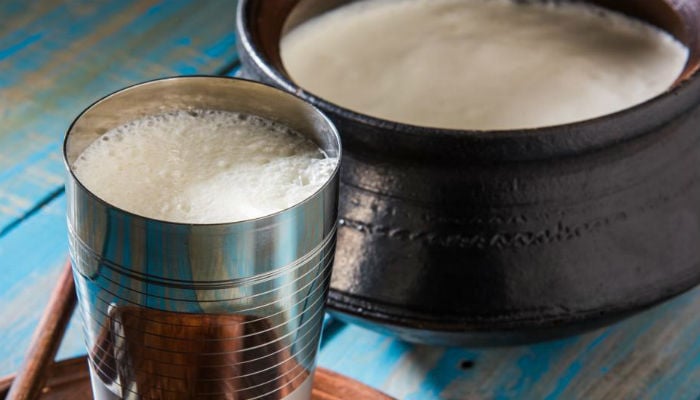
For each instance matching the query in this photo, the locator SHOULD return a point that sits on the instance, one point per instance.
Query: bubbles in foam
(203, 166)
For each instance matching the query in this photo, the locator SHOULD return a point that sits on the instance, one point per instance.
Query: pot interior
(268, 21)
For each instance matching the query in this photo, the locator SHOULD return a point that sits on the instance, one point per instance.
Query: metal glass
(175, 311)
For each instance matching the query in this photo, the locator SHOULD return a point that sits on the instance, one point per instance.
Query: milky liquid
(481, 64)
(203, 167)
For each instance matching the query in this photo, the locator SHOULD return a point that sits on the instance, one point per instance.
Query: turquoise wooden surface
(654, 355)
(57, 57)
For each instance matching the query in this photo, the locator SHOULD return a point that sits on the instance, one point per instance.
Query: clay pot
(472, 237)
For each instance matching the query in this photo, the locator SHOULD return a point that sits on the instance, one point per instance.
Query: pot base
(353, 310)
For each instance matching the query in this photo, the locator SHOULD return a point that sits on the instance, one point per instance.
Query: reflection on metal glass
(174, 311)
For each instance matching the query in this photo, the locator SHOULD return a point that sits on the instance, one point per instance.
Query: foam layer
(203, 167)
(481, 64)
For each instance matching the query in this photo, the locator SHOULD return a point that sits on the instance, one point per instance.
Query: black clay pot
(475, 237)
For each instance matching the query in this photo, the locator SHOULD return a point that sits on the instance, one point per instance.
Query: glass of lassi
(202, 218)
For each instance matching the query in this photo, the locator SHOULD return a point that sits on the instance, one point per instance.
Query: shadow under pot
(476, 237)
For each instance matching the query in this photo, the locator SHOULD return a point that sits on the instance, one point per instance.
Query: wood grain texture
(329, 385)
(31, 258)
(653, 355)
(70, 380)
(67, 380)
(58, 57)
(47, 337)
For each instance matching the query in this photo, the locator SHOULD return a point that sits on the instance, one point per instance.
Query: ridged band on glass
(186, 310)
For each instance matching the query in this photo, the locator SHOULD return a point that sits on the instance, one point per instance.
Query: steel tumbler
(179, 311)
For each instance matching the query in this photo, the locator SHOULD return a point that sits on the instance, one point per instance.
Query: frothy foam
(481, 64)
(203, 167)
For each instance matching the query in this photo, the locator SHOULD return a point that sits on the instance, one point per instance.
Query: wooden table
(57, 57)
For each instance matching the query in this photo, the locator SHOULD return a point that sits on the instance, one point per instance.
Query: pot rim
(555, 140)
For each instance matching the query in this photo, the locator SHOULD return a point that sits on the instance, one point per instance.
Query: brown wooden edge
(41, 377)
(70, 380)
(30, 378)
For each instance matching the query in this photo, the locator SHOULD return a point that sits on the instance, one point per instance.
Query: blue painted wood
(653, 355)
(56, 58)
(29, 272)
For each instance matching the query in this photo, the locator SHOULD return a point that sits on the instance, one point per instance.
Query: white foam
(203, 167)
(481, 64)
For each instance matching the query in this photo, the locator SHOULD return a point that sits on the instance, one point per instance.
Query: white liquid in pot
(203, 167)
(481, 64)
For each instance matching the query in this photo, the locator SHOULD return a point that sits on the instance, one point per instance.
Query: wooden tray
(70, 380)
